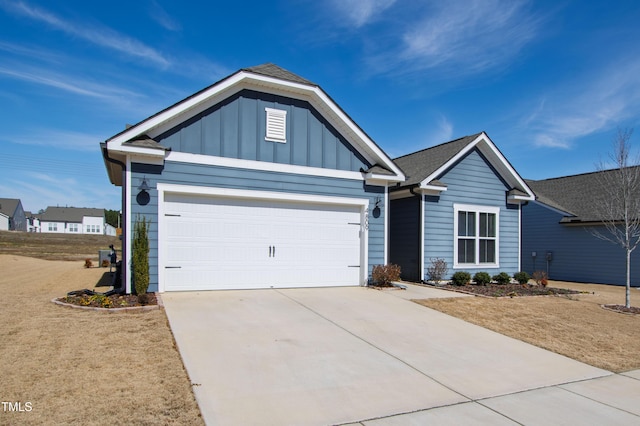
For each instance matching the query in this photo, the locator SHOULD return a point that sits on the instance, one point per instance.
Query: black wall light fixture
(143, 196)
(376, 207)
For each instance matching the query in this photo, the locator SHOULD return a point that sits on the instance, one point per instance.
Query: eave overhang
(243, 79)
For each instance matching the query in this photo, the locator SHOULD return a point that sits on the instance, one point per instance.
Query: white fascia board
(209, 160)
(431, 189)
(498, 161)
(381, 180)
(519, 199)
(503, 166)
(241, 80)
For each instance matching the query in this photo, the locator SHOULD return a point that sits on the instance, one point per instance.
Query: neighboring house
(72, 220)
(12, 208)
(557, 237)
(33, 222)
(461, 202)
(109, 230)
(4, 222)
(257, 181)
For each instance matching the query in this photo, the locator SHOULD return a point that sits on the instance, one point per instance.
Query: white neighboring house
(73, 220)
(4, 222)
(33, 222)
(109, 230)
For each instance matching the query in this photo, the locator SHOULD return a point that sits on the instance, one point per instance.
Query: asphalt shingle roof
(69, 214)
(272, 70)
(8, 206)
(419, 165)
(577, 195)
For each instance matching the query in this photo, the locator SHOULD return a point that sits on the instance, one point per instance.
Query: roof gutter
(123, 236)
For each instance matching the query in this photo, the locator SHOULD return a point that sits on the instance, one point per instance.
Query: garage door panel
(224, 243)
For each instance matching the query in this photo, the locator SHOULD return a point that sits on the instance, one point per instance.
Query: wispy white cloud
(361, 12)
(590, 105)
(57, 139)
(160, 15)
(458, 38)
(95, 33)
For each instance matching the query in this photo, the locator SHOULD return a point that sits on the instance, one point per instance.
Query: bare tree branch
(619, 203)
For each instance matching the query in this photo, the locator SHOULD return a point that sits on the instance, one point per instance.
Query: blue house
(557, 235)
(258, 181)
(461, 202)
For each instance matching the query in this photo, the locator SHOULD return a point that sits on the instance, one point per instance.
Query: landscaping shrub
(88, 263)
(383, 274)
(540, 277)
(522, 277)
(502, 278)
(461, 278)
(438, 269)
(141, 255)
(482, 278)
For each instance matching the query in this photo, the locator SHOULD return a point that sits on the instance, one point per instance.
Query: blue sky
(549, 81)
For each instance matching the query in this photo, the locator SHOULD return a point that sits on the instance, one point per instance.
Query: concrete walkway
(362, 356)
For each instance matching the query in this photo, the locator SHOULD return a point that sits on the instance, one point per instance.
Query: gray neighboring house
(258, 181)
(12, 209)
(556, 237)
(72, 220)
(461, 202)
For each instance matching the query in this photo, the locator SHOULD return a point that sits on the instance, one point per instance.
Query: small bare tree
(619, 205)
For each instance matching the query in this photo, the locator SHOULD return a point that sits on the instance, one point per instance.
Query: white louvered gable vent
(276, 125)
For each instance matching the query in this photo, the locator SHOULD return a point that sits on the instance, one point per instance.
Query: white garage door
(213, 243)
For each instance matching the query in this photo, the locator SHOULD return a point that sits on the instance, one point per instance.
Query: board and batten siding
(472, 180)
(233, 178)
(577, 255)
(404, 236)
(236, 128)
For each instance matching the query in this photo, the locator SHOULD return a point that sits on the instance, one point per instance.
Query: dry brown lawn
(84, 367)
(56, 246)
(575, 326)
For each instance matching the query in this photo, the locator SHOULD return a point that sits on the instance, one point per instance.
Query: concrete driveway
(362, 356)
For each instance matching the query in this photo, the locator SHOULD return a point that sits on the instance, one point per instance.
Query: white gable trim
(209, 160)
(170, 117)
(497, 160)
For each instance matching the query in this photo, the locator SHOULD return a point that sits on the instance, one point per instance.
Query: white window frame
(276, 125)
(477, 209)
(53, 227)
(73, 227)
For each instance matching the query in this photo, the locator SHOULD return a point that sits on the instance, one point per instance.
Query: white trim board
(209, 160)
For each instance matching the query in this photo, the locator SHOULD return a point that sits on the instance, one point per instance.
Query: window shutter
(276, 125)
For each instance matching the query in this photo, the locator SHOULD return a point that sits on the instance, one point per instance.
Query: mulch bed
(113, 301)
(623, 309)
(508, 290)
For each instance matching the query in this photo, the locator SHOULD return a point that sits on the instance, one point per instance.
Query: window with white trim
(73, 227)
(53, 227)
(276, 125)
(476, 241)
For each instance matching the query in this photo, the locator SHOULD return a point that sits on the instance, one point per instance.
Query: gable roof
(8, 206)
(69, 214)
(267, 78)
(424, 168)
(574, 195)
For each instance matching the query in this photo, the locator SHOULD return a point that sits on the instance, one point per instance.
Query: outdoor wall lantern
(376, 208)
(143, 196)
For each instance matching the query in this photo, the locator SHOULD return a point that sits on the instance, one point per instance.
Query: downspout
(420, 195)
(105, 155)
